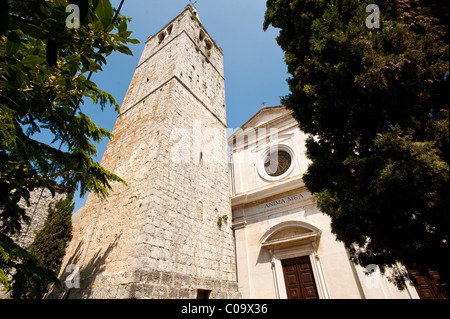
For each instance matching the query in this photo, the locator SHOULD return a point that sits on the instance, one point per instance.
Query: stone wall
(40, 199)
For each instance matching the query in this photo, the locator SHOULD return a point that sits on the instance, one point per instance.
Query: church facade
(191, 224)
(284, 244)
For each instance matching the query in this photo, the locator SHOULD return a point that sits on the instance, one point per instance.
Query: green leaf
(73, 68)
(4, 280)
(3, 254)
(106, 50)
(12, 43)
(134, 41)
(125, 34)
(49, 24)
(31, 30)
(33, 60)
(104, 12)
(97, 27)
(122, 27)
(125, 50)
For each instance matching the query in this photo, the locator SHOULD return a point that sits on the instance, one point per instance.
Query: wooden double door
(428, 288)
(299, 278)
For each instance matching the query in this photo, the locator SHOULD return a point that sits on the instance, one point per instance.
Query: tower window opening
(169, 29)
(202, 35)
(208, 45)
(161, 36)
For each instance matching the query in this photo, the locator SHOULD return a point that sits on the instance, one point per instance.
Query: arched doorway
(293, 247)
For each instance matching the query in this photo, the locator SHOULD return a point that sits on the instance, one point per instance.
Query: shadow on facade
(77, 283)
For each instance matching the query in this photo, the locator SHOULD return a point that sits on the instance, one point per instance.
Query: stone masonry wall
(183, 55)
(38, 213)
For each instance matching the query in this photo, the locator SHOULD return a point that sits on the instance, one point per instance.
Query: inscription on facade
(283, 201)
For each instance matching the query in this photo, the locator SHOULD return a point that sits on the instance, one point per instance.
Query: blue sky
(255, 71)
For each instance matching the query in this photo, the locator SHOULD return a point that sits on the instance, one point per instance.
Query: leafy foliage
(376, 102)
(45, 70)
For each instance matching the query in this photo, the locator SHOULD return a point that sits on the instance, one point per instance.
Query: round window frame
(262, 159)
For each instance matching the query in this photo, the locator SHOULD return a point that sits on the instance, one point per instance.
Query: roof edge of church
(263, 109)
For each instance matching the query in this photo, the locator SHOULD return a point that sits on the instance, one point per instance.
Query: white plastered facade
(276, 218)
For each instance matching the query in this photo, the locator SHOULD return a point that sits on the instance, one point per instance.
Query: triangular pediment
(265, 115)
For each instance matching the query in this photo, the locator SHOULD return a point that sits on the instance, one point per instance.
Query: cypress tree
(35, 274)
(375, 98)
(51, 241)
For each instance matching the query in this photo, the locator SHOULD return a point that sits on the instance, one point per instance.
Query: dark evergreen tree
(376, 102)
(49, 245)
(33, 271)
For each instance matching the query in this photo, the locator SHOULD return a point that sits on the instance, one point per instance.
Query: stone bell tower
(159, 236)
